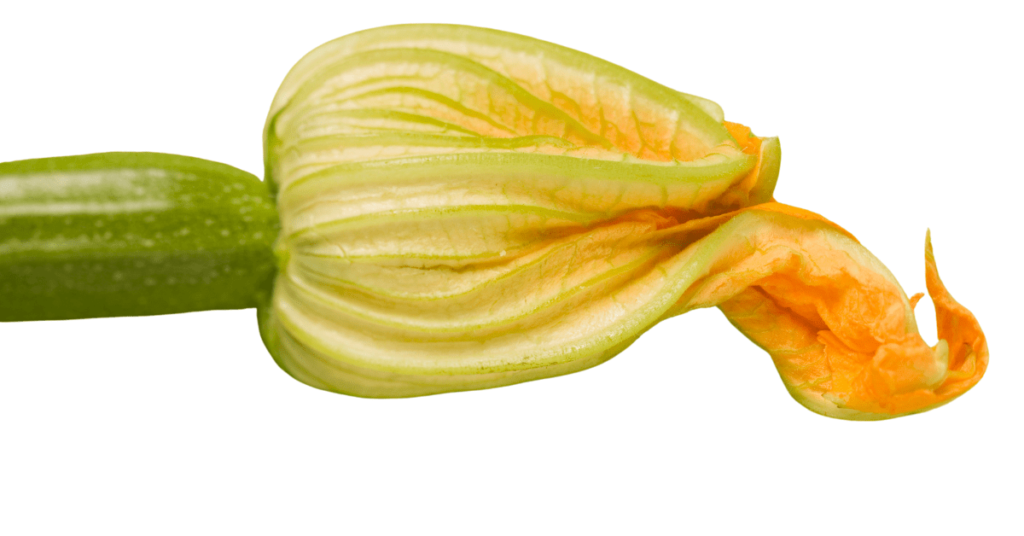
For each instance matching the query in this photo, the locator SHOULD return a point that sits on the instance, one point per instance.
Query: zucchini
(129, 234)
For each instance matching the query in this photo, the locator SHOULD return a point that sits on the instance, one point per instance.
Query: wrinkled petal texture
(464, 208)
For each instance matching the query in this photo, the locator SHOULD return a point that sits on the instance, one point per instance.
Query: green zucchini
(130, 234)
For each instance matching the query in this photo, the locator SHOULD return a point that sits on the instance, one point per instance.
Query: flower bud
(464, 208)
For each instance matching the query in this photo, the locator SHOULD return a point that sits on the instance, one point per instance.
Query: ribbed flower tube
(463, 208)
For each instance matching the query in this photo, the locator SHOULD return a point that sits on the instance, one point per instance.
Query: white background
(893, 118)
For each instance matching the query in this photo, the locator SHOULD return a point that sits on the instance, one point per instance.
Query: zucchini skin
(131, 234)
